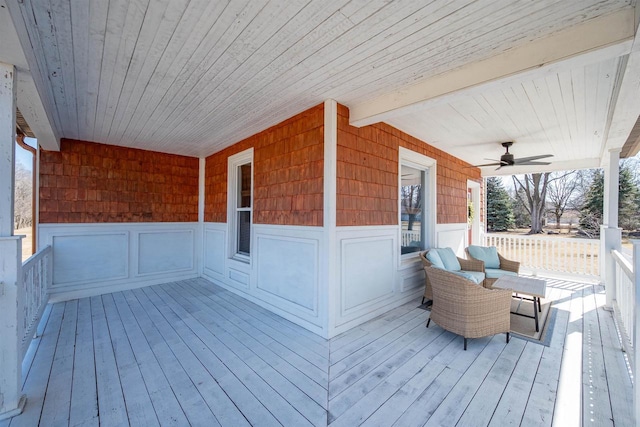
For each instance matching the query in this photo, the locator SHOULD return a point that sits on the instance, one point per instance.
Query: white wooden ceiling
(193, 77)
(564, 114)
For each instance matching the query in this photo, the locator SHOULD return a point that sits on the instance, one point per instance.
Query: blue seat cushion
(494, 273)
(475, 276)
(434, 259)
(449, 259)
(487, 254)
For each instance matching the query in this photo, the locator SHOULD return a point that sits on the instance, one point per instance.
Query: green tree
(499, 208)
(591, 212)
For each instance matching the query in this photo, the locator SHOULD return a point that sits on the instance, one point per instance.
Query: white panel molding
(238, 279)
(403, 285)
(452, 236)
(252, 281)
(81, 258)
(367, 272)
(287, 272)
(214, 250)
(165, 251)
(114, 247)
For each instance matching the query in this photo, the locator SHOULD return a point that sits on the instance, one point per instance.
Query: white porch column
(610, 233)
(636, 329)
(7, 147)
(11, 402)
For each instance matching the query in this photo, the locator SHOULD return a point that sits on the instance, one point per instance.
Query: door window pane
(412, 229)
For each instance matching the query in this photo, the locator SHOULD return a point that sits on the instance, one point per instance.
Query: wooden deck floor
(191, 353)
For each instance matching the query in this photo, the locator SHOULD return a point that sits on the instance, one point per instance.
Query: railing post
(11, 305)
(636, 327)
(610, 239)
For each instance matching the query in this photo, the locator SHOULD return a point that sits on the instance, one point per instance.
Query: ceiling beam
(28, 97)
(589, 42)
(625, 105)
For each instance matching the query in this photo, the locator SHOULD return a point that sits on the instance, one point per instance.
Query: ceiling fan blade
(488, 164)
(526, 159)
(532, 163)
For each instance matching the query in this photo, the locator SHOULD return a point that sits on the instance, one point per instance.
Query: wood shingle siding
(367, 173)
(87, 182)
(288, 173)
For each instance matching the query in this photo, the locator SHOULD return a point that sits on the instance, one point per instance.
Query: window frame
(233, 187)
(429, 206)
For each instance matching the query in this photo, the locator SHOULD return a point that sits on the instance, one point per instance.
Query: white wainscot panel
(165, 251)
(214, 247)
(288, 269)
(367, 271)
(452, 236)
(90, 258)
(411, 275)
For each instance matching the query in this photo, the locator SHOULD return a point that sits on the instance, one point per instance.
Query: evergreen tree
(628, 216)
(591, 213)
(499, 208)
(591, 210)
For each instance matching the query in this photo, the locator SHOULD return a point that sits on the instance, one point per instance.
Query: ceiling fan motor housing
(508, 159)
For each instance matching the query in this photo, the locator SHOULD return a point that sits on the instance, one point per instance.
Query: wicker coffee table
(535, 288)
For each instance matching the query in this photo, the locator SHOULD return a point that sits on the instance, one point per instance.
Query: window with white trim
(417, 201)
(240, 191)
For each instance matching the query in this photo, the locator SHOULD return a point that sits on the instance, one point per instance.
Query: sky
(23, 156)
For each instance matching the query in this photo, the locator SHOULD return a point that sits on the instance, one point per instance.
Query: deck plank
(456, 362)
(36, 383)
(84, 395)
(268, 363)
(164, 399)
(366, 346)
(211, 352)
(494, 387)
(259, 376)
(175, 360)
(111, 406)
(541, 403)
(359, 368)
(57, 400)
(434, 339)
(192, 353)
(454, 404)
(596, 407)
(136, 396)
(617, 371)
(568, 400)
(286, 351)
(517, 391)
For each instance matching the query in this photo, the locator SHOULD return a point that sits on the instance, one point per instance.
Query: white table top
(522, 285)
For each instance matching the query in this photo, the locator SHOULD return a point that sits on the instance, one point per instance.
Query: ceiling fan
(507, 159)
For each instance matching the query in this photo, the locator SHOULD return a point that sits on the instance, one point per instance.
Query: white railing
(37, 277)
(552, 254)
(624, 302)
(409, 236)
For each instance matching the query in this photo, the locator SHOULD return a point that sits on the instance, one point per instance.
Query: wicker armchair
(505, 265)
(466, 264)
(464, 308)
